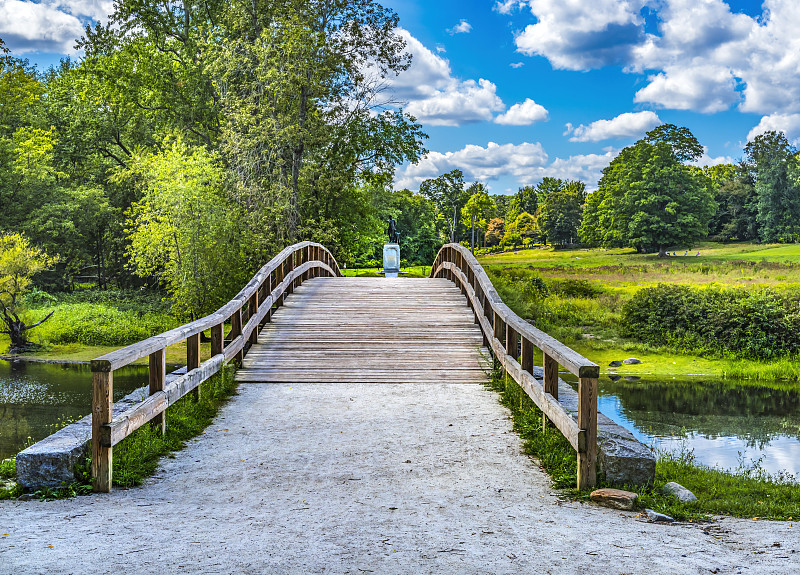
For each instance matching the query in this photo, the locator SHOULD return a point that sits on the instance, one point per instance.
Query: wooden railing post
(279, 275)
(269, 285)
(587, 436)
(512, 342)
(158, 375)
(102, 414)
(236, 331)
(252, 306)
(193, 359)
(217, 339)
(549, 380)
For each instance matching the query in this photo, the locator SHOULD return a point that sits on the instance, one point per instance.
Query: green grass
(137, 456)
(587, 289)
(8, 471)
(409, 272)
(94, 318)
(746, 492)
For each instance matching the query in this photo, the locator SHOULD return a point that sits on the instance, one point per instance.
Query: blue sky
(512, 91)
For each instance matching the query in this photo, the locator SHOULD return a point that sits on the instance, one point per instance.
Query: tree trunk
(661, 252)
(472, 243)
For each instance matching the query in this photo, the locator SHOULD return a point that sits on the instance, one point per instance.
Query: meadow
(579, 296)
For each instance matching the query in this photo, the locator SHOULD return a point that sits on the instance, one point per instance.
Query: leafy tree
(560, 216)
(502, 203)
(495, 230)
(684, 145)
(771, 159)
(525, 200)
(183, 231)
(648, 199)
(416, 224)
(448, 195)
(19, 262)
(477, 211)
(735, 195)
(521, 230)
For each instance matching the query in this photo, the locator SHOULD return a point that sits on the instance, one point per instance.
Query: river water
(37, 399)
(725, 424)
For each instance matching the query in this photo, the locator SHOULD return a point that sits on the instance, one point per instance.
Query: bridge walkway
(370, 330)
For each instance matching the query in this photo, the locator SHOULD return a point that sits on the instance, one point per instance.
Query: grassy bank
(138, 455)
(579, 296)
(747, 492)
(89, 321)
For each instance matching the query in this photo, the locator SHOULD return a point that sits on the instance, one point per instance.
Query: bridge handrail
(504, 331)
(247, 311)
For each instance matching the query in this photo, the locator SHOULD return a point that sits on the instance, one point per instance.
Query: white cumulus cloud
(697, 55)
(579, 35)
(462, 27)
(625, 125)
(477, 163)
(523, 114)
(50, 25)
(789, 124)
(705, 89)
(527, 163)
(435, 97)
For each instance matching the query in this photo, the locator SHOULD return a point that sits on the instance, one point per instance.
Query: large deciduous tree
(649, 199)
(772, 160)
(448, 195)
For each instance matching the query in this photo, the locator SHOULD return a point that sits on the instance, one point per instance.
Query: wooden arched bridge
(299, 320)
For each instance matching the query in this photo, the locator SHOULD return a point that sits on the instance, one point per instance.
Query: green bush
(756, 324)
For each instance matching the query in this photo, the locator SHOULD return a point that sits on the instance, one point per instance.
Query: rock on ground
(353, 478)
(679, 492)
(614, 498)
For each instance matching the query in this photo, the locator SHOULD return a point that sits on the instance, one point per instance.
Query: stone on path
(614, 498)
(679, 492)
(656, 516)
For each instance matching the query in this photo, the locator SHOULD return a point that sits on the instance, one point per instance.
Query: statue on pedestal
(391, 231)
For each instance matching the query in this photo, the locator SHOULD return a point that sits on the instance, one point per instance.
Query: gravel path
(351, 478)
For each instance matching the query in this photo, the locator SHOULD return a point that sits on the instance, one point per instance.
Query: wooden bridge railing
(249, 310)
(503, 331)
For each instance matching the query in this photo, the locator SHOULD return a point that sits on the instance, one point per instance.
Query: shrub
(757, 324)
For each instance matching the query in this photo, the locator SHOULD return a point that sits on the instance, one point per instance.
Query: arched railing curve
(512, 340)
(250, 309)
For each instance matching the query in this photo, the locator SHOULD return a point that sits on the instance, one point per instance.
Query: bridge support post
(193, 359)
(236, 331)
(252, 309)
(217, 339)
(587, 436)
(158, 374)
(549, 381)
(102, 413)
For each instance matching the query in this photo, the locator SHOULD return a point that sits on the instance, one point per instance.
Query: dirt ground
(352, 478)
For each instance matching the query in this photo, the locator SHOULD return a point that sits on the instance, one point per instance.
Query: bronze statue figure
(391, 231)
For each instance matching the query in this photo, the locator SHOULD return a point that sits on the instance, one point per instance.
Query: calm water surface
(724, 424)
(37, 399)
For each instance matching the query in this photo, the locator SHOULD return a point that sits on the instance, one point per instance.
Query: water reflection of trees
(711, 408)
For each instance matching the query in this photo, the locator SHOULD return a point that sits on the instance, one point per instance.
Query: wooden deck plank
(370, 330)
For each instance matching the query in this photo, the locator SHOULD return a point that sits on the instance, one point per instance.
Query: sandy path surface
(339, 478)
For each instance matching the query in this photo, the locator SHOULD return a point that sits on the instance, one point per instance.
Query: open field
(588, 289)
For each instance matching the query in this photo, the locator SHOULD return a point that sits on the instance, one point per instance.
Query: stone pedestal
(391, 260)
